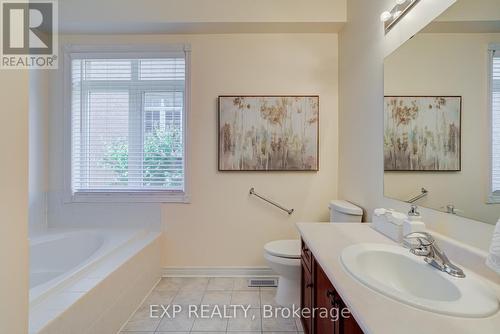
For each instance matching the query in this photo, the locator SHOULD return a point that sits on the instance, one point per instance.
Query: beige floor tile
(170, 283)
(194, 283)
(267, 298)
(218, 291)
(181, 322)
(252, 322)
(219, 298)
(221, 283)
(246, 298)
(188, 297)
(279, 324)
(160, 297)
(209, 325)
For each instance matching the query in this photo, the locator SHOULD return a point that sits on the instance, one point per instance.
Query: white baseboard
(217, 272)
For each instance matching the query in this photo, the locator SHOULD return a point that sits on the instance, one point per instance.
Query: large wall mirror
(442, 114)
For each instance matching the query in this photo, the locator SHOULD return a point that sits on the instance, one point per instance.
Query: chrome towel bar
(252, 192)
(423, 192)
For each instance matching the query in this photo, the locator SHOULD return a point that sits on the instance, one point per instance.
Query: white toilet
(345, 212)
(283, 256)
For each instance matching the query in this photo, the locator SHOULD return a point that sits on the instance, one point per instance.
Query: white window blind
(495, 117)
(127, 124)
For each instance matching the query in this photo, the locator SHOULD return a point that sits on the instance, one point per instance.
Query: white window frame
(493, 196)
(118, 51)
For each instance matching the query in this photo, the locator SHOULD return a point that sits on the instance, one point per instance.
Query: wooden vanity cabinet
(318, 293)
(306, 297)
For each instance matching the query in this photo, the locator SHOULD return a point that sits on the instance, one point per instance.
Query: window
(128, 114)
(495, 123)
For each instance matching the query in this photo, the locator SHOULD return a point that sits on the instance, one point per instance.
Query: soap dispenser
(414, 222)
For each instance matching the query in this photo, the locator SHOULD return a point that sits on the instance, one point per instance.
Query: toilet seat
(289, 249)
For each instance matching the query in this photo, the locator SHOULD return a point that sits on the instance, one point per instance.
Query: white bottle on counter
(414, 222)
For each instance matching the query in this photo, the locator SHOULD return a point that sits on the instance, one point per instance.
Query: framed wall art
(422, 133)
(268, 133)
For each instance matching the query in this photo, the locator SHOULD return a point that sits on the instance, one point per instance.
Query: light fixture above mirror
(400, 9)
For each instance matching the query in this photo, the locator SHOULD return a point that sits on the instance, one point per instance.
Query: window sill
(493, 199)
(129, 197)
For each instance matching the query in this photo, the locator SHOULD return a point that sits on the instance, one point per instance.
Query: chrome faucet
(423, 244)
(413, 211)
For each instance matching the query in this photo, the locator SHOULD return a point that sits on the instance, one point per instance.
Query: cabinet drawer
(306, 256)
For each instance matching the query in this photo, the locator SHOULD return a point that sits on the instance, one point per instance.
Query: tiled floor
(217, 291)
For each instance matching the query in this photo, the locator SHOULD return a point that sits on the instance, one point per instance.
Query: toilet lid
(284, 248)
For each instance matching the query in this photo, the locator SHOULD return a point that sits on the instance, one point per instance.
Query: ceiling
(199, 16)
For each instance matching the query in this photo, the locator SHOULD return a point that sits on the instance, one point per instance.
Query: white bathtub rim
(59, 283)
(46, 312)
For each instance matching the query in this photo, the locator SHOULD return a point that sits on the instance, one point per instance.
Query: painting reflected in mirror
(422, 133)
(442, 114)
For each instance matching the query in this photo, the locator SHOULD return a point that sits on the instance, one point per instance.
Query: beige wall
(361, 55)
(38, 149)
(448, 64)
(14, 201)
(362, 46)
(223, 226)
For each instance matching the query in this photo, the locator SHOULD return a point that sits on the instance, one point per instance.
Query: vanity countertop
(374, 312)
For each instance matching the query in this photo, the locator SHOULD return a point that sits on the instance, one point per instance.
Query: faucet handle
(413, 211)
(451, 209)
(423, 244)
(424, 239)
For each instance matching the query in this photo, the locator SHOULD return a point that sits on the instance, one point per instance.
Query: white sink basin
(396, 273)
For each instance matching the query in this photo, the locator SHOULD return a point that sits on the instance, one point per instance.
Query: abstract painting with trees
(422, 133)
(268, 133)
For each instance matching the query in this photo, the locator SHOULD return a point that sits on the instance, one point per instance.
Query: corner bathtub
(60, 256)
(90, 280)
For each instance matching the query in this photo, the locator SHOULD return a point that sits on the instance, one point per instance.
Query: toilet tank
(345, 212)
